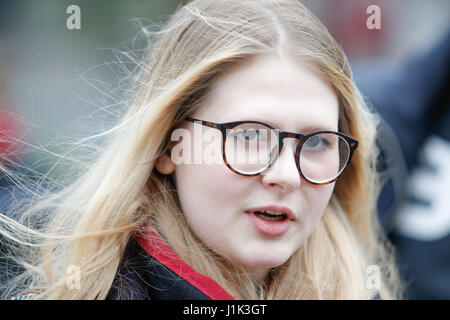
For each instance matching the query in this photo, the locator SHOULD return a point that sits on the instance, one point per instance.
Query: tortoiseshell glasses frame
(223, 127)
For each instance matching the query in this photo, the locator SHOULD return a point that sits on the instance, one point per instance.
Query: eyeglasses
(251, 147)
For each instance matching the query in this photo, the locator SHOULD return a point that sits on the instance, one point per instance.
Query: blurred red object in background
(9, 134)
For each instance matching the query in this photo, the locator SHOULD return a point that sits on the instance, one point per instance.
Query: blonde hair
(90, 222)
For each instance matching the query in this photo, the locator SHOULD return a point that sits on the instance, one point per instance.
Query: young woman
(153, 219)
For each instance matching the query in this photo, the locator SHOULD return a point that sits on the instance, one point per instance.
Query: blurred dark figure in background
(9, 132)
(416, 211)
(11, 129)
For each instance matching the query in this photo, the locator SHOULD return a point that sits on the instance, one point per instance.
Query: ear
(164, 164)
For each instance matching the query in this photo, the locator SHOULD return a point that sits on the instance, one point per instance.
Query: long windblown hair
(89, 222)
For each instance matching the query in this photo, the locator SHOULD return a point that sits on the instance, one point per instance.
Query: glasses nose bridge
(283, 135)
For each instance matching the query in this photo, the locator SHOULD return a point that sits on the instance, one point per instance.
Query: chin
(267, 263)
(255, 259)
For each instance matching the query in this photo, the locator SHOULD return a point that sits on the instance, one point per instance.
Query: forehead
(287, 93)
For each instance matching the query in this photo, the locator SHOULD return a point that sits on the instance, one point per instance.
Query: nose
(284, 172)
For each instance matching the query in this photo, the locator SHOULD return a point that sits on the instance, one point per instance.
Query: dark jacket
(151, 270)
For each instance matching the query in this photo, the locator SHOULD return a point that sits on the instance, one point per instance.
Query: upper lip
(289, 213)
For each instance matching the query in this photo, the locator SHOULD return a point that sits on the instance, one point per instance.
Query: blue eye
(317, 143)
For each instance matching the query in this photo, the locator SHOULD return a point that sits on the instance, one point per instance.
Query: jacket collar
(152, 270)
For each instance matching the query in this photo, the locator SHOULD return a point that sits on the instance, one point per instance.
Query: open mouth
(270, 222)
(270, 215)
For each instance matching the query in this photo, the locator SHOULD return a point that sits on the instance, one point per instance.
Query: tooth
(273, 212)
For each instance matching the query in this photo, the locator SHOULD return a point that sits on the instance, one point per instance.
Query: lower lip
(270, 228)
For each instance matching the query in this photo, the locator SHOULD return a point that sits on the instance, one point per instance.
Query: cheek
(317, 198)
(209, 194)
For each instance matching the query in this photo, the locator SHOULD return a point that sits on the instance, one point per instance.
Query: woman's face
(289, 95)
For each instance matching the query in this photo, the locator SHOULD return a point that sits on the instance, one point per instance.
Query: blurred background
(56, 83)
